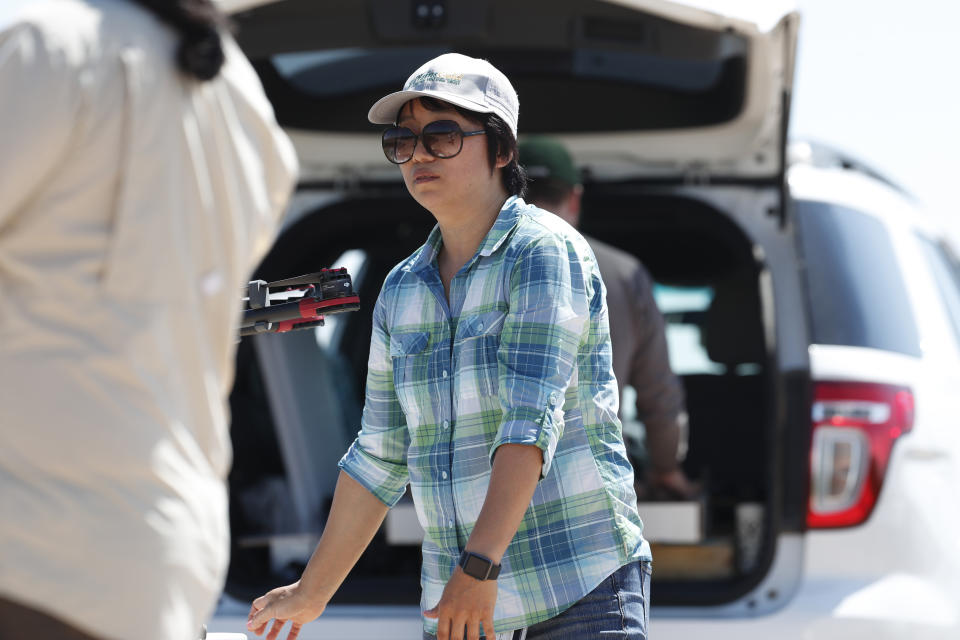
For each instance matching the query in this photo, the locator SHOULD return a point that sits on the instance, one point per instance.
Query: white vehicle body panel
(907, 554)
(747, 146)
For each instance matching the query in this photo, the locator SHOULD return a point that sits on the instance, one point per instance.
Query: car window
(954, 262)
(947, 277)
(662, 92)
(684, 312)
(857, 295)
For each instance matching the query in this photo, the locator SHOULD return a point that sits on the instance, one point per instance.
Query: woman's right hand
(355, 517)
(284, 603)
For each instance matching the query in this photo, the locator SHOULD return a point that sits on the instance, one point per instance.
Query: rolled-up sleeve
(539, 343)
(377, 459)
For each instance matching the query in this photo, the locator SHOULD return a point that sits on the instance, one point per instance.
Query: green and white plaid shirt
(521, 354)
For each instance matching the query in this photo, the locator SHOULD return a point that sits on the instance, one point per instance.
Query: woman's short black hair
(198, 22)
(500, 143)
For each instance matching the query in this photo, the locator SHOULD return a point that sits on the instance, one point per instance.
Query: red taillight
(854, 427)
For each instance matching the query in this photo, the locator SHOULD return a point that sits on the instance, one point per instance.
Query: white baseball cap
(467, 82)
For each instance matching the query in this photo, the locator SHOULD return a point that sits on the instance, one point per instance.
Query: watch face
(476, 567)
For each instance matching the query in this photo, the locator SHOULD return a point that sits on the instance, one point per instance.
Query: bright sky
(877, 78)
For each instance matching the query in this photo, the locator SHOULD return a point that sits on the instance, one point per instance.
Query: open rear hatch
(647, 94)
(643, 87)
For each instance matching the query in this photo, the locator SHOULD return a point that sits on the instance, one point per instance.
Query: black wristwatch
(478, 566)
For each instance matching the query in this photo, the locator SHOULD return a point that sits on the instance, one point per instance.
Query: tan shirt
(640, 355)
(134, 203)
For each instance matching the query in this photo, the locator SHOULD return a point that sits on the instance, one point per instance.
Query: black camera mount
(296, 303)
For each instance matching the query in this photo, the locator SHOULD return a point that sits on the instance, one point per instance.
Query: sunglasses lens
(443, 138)
(398, 144)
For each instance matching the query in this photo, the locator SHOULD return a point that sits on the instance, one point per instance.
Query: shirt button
(443, 475)
(553, 398)
(479, 326)
(445, 374)
(446, 424)
(449, 523)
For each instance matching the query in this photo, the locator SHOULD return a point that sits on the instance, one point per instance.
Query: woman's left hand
(466, 603)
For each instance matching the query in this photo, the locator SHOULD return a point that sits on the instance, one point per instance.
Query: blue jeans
(618, 609)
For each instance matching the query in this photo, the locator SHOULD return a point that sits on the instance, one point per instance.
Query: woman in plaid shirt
(490, 392)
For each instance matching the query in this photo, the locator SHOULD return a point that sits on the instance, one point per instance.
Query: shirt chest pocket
(410, 359)
(478, 341)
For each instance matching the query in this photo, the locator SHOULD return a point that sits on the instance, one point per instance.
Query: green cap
(547, 158)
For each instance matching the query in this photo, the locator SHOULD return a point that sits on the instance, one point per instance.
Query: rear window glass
(684, 311)
(857, 294)
(639, 91)
(578, 65)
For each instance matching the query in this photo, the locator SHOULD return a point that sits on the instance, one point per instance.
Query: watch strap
(478, 566)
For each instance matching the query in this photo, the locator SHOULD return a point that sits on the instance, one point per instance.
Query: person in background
(640, 357)
(490, 391)
(142, 177)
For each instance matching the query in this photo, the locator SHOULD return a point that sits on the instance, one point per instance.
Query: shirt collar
(506, 220)
(426, 256)
(502, 226)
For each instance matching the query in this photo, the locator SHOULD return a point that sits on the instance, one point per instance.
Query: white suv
(813, 314)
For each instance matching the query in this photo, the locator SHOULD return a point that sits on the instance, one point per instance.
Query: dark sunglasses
(441, 139)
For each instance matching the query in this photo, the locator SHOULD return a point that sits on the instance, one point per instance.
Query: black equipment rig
(296, 303)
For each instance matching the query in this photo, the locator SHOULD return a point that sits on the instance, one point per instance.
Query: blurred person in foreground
(142, 175)
(640, 356)
(490, 391)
